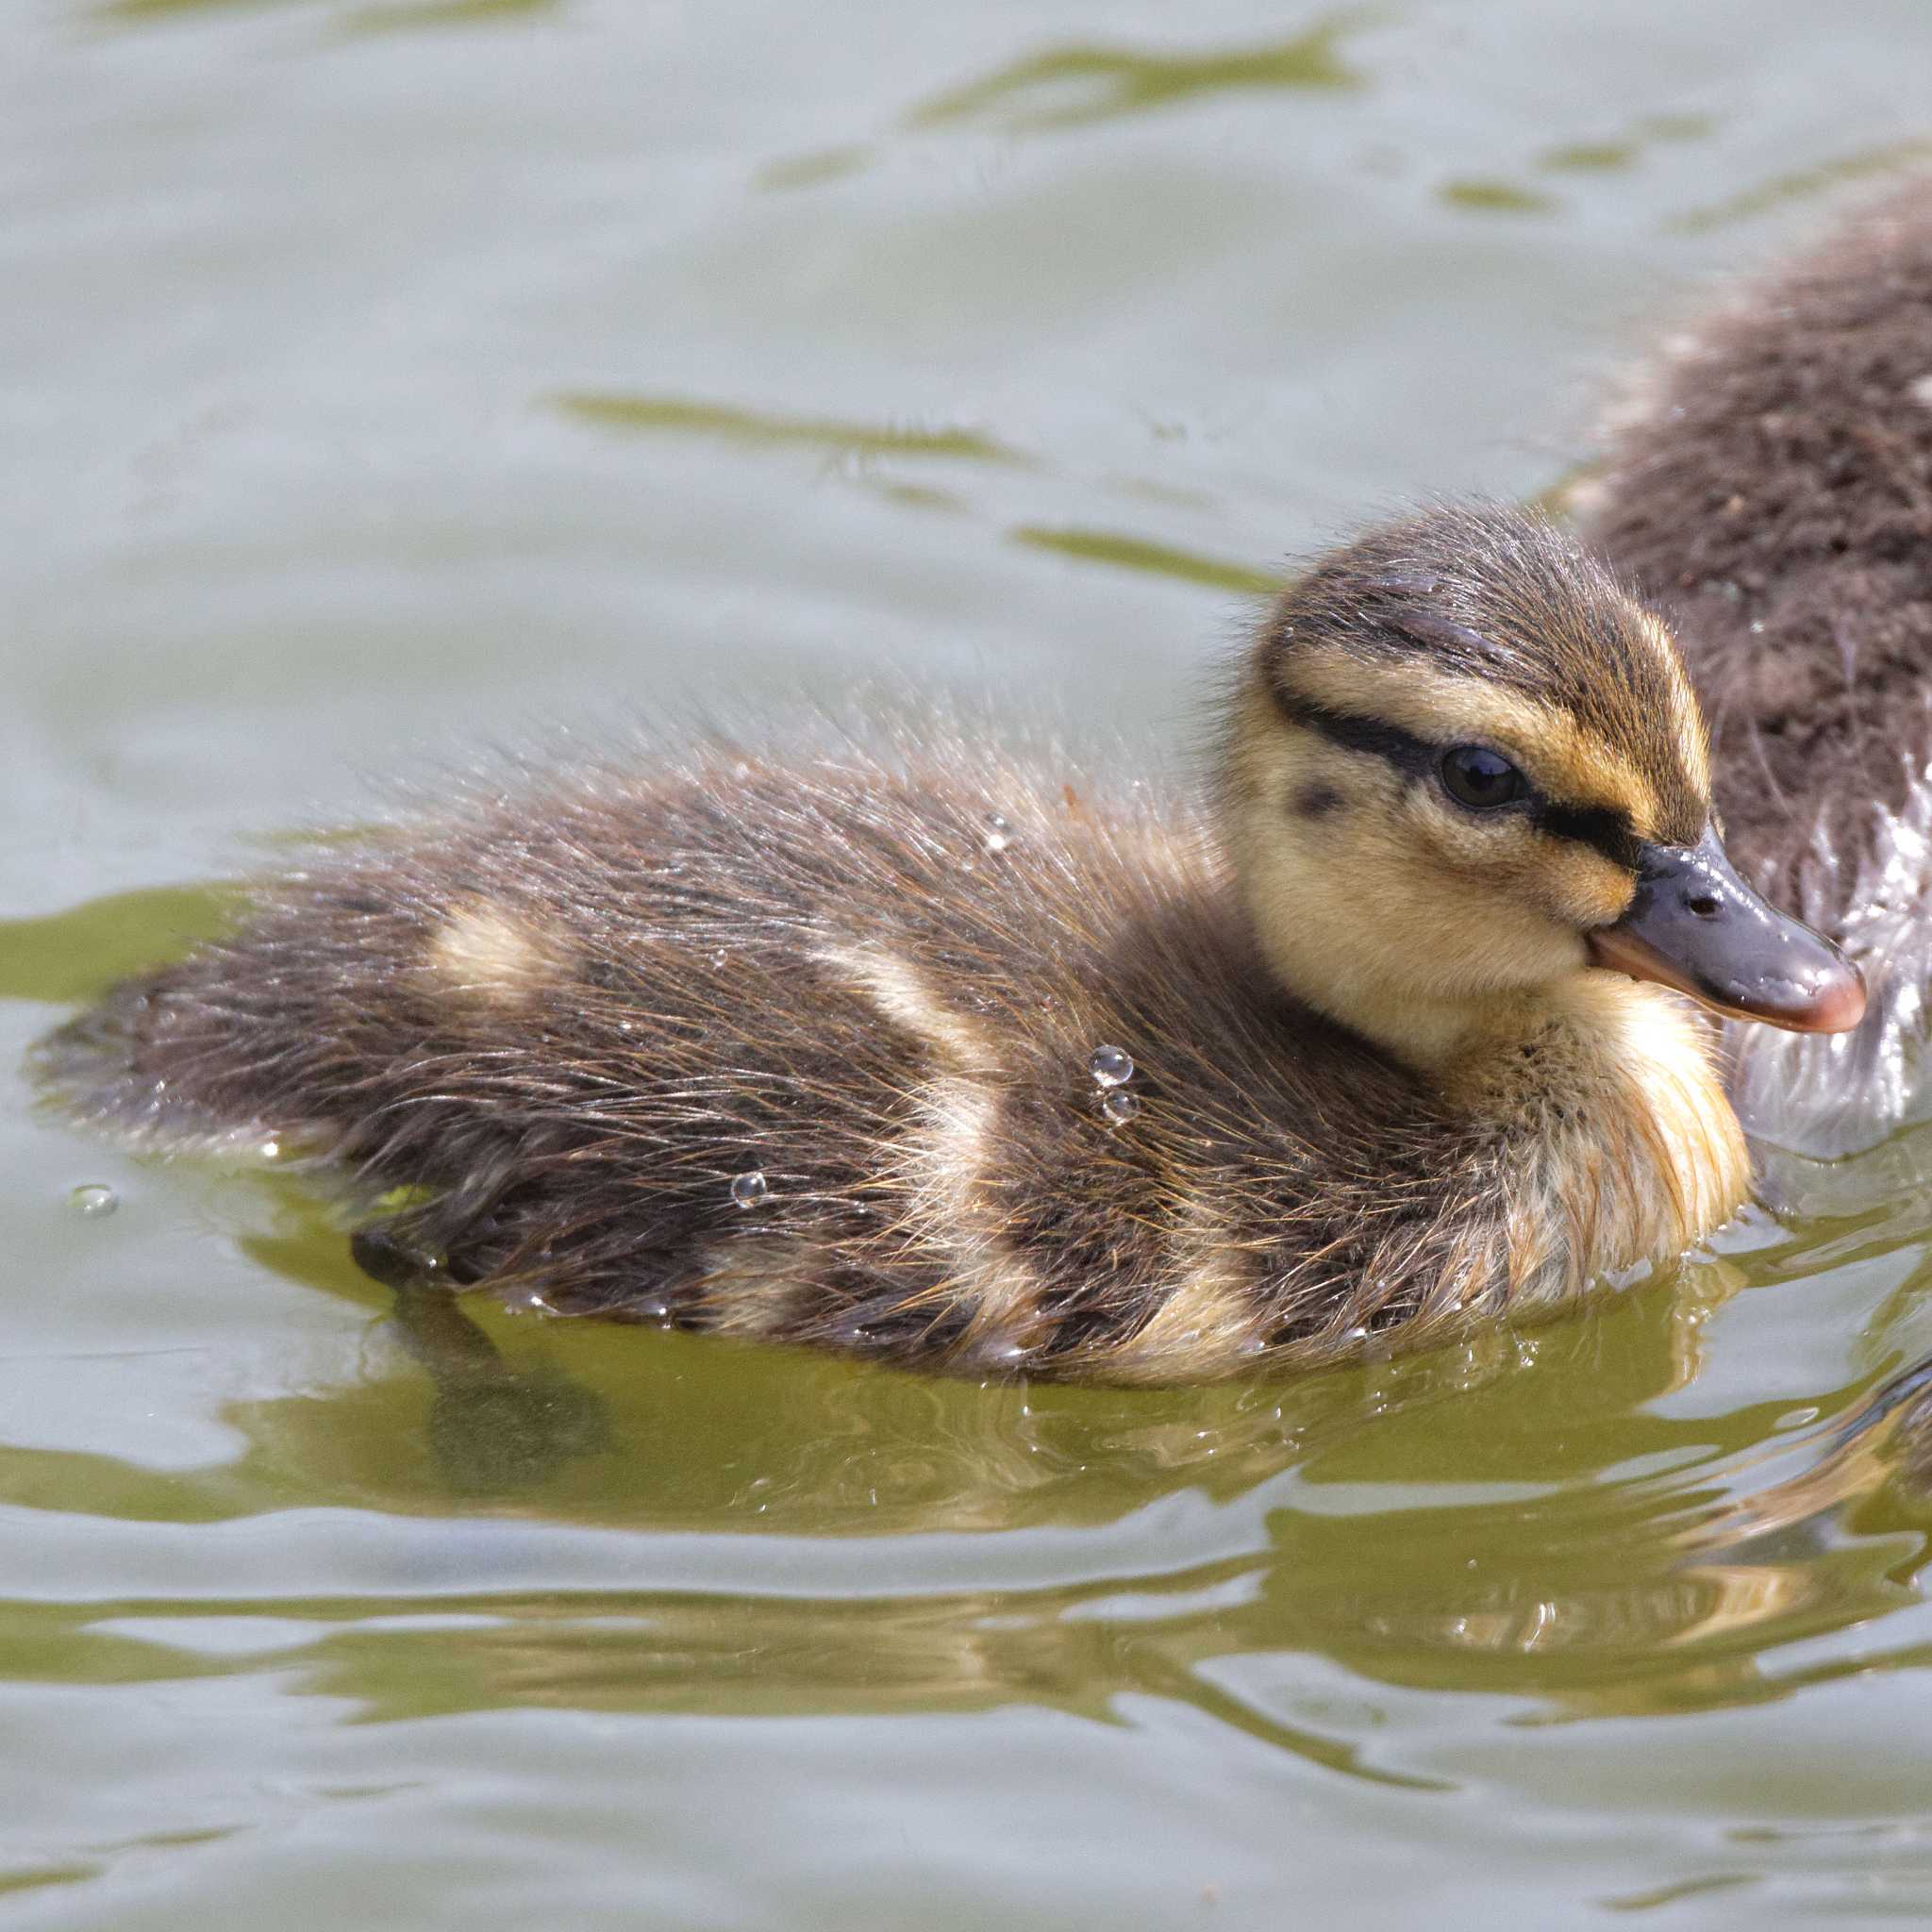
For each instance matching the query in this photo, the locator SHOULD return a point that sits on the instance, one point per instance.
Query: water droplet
(999, 831)
(94, 1201)
(1119, 1108)
(1110, 1066)
(271, 1150)
(1357, 1335)
(748, 1189)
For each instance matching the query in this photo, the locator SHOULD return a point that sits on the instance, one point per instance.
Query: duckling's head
(1464, 768)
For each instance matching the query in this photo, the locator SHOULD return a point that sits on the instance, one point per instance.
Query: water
(392, 378)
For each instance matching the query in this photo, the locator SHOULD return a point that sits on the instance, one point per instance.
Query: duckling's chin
(1432, 1002)
(1638, 1153)
(1447, 1036)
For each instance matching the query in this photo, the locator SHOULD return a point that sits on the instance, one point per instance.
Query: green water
(385, 379)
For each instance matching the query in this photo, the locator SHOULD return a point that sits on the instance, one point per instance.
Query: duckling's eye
(1480, 778)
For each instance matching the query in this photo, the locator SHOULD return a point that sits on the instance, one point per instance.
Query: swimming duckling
(1776, 490)
(939, 1056)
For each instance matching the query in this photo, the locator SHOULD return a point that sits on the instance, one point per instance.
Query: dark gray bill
(1694, 924)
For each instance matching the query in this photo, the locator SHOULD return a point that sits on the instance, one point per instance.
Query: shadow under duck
(1772, 487)
(963, 1061)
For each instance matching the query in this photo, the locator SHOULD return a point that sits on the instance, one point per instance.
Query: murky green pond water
(384, 378)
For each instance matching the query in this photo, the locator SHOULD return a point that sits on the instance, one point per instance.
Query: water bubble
(1119, 1108)
(94, 1201)
(1110, 1066)
(999, 831)
(748, 1189)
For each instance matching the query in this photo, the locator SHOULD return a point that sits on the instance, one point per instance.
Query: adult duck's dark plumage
(979, 1062)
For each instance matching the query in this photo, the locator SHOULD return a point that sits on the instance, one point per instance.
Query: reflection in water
(1590, 156)
(135, 11)
(1124, 552)
(814, 169)
(76, 955)
(676, 416)
(399, 16)
(1804, 183)
(1120, 550)
(1496, 197)
(496, 1428)
(384, 16)
(1517, 1515)
(1069, 86)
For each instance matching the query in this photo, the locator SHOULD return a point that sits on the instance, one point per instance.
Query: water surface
(389, 379)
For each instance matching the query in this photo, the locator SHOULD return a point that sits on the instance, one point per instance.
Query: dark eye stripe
(1603, 828)
(1402, 748)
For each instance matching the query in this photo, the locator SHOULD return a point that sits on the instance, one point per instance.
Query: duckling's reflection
(495, 1427)
(1461, 1520)
(1520, 1516)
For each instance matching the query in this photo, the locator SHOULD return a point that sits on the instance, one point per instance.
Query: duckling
(962, 1060)
(1775, 490)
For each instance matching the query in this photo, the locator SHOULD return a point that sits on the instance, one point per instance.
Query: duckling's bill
(1696, 925)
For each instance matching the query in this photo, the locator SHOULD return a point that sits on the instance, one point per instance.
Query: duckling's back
(1774, 492)
(948, 1060)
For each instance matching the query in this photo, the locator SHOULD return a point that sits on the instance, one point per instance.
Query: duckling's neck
(1627, 1148)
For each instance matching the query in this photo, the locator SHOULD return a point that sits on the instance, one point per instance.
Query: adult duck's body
(1773, 492)
(960, 1060)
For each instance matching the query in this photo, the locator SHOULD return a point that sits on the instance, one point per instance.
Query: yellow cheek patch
(1558, 755)
(1586, 888)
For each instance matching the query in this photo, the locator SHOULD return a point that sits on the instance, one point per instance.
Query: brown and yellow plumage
(806, 1049)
